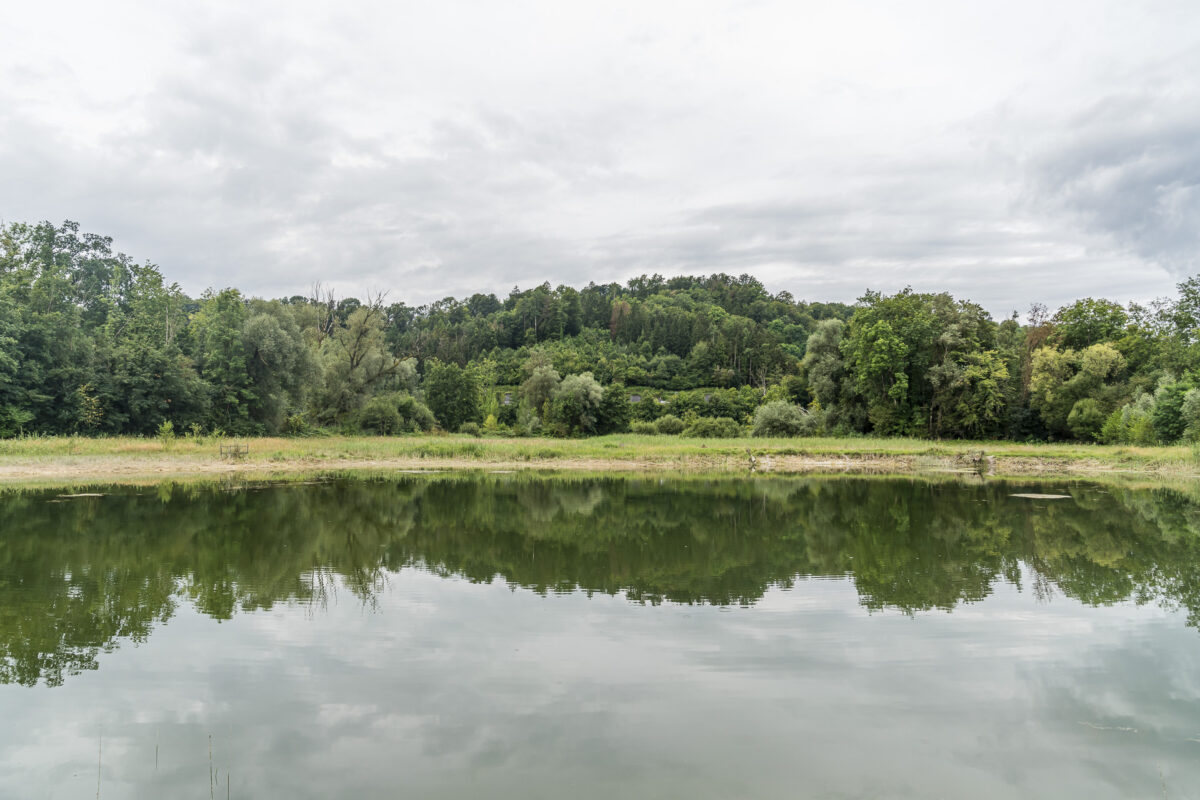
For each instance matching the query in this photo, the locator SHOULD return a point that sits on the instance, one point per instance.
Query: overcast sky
(1009, 152)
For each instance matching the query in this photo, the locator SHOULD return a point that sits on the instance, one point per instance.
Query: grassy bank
(116, 459)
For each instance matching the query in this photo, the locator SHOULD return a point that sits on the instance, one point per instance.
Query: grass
(619, 446)
(30, 462)
(38, 461)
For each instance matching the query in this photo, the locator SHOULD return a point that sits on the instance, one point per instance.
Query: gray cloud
(444, 151)
(1128, 165)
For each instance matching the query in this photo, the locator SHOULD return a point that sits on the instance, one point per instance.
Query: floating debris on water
(1043, 496)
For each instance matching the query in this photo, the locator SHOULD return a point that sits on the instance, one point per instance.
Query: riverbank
(116, 460)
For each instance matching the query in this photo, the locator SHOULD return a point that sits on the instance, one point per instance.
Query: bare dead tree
(325, 301)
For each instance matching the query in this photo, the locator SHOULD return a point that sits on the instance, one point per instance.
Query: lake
(518, 636)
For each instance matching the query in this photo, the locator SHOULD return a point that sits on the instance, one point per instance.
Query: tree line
(95, 343)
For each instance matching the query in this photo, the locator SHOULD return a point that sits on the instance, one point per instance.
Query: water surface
(514, 636)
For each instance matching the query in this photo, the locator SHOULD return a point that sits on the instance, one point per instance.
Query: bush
(736, 404)
(416, 415)
(469, 428)
(1190, 412)
(1131, 424)
(1167, 416)
(669, 425)
(713, 428)
(391, 414)
(780, 418)
(379, 416)
(1086, 420)
(643, 427)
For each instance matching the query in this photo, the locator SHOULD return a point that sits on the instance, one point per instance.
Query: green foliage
(356, 363)
(166, 433)
(614, 412)
(576, 405)
(669, 425)
(1086, 420)
(643, 427)
(1189, 410)
(452, 394)
(915, 364)
(92, 342)
(713, 428)
(1168, 417)
(91, 412)
(1061, 378)
(469, 428)
(539, 388)
(217, 331)
(380, 416)
(1087, 322)
(1132, 423)
(415, 414)
(780, 418)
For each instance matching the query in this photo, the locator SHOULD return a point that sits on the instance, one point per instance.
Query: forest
(93, 343)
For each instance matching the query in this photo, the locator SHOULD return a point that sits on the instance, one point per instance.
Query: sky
(1008, 152)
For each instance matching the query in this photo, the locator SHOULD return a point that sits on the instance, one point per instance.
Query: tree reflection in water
(79, 575)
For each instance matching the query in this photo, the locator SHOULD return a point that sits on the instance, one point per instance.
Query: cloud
(1129, 166)
(435, 151)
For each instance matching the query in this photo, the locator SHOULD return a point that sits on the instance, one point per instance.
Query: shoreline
(68, 461)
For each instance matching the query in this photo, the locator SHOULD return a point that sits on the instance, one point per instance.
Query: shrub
(669, 425)
(643, 427)
(416, 415)
(1167, 416)
(713, 428)
(733, 403)
(780, 418)
(1113, 431)
(1190, 411)
(1131, 424)
(469, 428)
(379, 416)
(1086, 419)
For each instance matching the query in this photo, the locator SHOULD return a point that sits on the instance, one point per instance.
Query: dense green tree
(452, 394)
(614, 413)
(221, 355)
(1087, 322)
(283, 370)
(1062, 378)
(576, 404)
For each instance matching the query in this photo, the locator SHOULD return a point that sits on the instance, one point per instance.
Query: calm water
(506, 636)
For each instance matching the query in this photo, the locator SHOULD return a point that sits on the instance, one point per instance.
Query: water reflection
(79, 575)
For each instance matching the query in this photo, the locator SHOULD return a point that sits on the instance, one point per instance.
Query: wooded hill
(93, 342)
